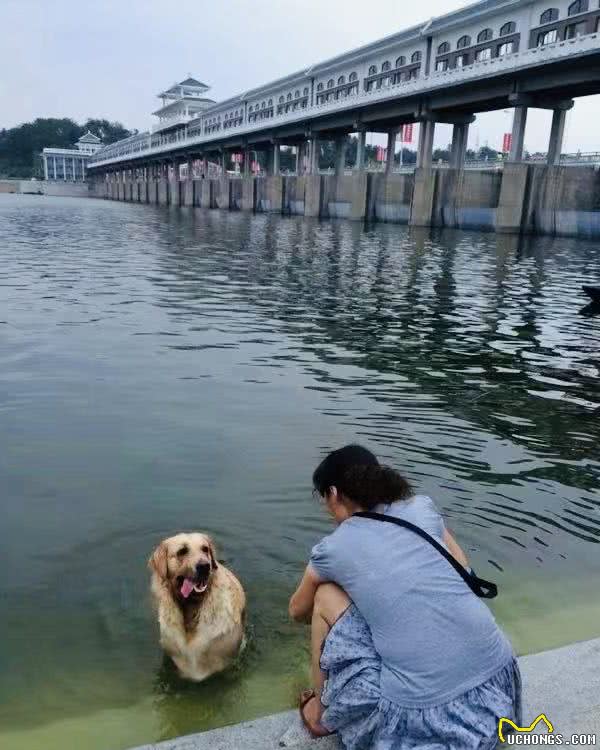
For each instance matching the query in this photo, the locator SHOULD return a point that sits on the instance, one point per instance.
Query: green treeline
(21, 147)
(409, 157)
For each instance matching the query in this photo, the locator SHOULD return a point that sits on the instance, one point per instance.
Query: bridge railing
(523, 59)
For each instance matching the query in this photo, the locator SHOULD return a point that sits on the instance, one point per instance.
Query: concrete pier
(563, 684)
(521, 198)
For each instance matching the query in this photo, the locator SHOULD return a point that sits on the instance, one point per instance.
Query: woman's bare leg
(330, 604)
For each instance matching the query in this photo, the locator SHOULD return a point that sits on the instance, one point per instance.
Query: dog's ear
(158, 561)
(212, 551)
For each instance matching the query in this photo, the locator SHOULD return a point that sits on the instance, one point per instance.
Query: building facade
(70, 165)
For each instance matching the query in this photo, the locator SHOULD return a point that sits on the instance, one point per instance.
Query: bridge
(492, 55)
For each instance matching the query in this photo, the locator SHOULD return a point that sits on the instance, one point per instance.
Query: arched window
(386, 66)
(305, 92)
(464, 41)
(372, 70)
(341, 81)
(270, 102)
(297, 94)
(485, 36)
(547, 37)
(416, 57)
(319, 87)
(508, 28)
(549, 15)
(579, 6)
(353, 77)
(289, 97)
(400, 61)
(330, 83)
(443, 48)
(281, 99)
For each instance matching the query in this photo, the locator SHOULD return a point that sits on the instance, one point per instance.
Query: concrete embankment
(39, 187)
(563, 684)
(521, 198)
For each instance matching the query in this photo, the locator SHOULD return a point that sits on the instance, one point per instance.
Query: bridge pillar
(340, 155)
(175, 185)
(391, 151)
(518, 134)
(300, 150)
(248, 202)
(162, 192)
(275, 160)
(423, 201)
(315, 154)
(425, 152)
(224, 162)
(511, 211)
(247, 162)
(557, 133)
(188, 188)
(359, 165)
(460, 137)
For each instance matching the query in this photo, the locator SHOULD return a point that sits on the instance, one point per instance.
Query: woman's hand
(455, 549)
(302, 602)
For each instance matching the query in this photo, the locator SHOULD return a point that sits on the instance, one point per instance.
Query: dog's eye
(182, 551)
(205, 549)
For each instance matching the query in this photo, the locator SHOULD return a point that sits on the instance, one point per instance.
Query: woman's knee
(331, 602)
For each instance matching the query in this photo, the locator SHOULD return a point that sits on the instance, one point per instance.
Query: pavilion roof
(89, 138)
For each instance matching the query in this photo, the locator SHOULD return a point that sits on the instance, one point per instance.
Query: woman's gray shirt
(436, 639)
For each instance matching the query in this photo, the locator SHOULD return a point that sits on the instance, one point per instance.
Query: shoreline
(563, 683)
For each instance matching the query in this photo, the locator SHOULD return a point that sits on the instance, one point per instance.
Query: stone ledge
(563, 683)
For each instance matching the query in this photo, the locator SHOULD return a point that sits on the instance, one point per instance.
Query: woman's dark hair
(357, 473)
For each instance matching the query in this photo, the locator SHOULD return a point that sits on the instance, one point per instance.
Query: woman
(404, 655)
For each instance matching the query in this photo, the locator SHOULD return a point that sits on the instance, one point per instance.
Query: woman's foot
(311, 711)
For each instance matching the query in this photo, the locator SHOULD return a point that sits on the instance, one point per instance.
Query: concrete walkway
(563, 683)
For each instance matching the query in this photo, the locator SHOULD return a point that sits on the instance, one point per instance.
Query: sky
(110, 58)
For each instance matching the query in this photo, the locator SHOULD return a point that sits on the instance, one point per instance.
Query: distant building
(69, 164)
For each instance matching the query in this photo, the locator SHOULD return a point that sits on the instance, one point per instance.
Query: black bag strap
(480, 587)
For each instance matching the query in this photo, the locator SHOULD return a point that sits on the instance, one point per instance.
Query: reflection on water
(165, 370)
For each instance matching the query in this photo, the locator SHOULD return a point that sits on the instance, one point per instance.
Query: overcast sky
(109, 58)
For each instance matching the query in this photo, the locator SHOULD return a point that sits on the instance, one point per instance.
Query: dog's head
(185, 563)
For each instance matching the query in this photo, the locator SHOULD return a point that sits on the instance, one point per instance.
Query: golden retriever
(200, 603)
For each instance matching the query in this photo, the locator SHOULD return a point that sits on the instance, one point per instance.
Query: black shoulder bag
(480, 587)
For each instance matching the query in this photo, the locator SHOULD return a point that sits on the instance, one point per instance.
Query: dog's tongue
(186, 588)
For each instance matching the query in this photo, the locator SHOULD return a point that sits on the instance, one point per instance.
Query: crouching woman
(404, 655)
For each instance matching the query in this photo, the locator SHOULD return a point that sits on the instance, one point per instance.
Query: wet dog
(200, 604)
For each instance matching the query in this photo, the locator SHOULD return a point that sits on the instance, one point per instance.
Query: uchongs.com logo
(512, 734)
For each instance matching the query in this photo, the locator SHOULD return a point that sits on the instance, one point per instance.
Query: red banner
(507, 143)
(407, 133)
(381, 153)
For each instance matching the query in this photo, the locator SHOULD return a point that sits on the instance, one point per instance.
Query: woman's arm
(301, 603)
(455, 549)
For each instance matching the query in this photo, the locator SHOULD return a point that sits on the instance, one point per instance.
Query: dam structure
(492, 55)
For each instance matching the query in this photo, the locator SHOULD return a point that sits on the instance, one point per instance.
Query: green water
(164, 370)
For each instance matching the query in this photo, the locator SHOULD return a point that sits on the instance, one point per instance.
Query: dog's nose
(203, 569)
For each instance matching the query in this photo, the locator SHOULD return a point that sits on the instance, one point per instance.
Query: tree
(21, 146)
(108, 132)
(487, 154)
(441, 154)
